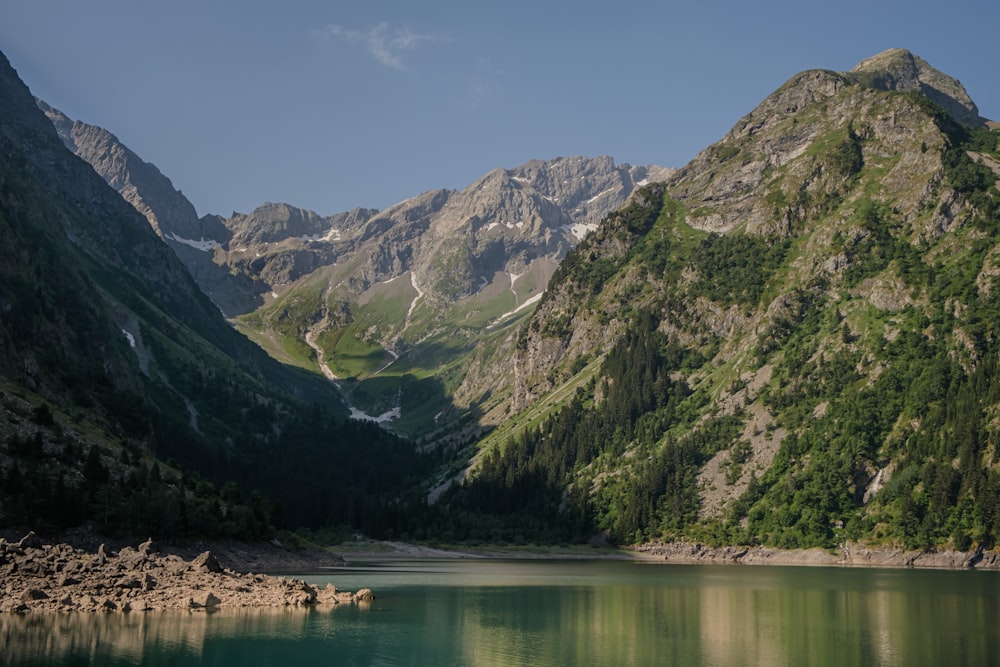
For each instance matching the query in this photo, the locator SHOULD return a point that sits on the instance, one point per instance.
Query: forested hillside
(793, 342)
(126, 400)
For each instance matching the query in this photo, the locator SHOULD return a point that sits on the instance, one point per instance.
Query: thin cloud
(483, 83)
(383, 42)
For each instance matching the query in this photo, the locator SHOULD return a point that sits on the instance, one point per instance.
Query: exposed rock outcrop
(898, 69)
(44, 577)
(849, 554)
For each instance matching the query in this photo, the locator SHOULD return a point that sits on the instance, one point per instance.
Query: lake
(545, 612)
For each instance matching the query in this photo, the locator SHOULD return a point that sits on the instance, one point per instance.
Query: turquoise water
(560, 613)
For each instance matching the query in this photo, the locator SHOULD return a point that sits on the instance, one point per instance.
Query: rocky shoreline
(35, 576)
(849, 554)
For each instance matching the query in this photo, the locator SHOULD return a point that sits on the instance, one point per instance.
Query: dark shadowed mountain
(114, 364)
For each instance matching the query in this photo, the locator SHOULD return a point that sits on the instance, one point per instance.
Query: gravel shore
(35, 576)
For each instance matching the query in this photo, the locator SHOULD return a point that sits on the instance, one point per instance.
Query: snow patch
(530, 302)
(579, 230)
(332, 235)
(413, 304)
(395, 413)
(130, 337)
(599, 195)
(513, 279)
(205, 245)
(391, 362)
(360, 415)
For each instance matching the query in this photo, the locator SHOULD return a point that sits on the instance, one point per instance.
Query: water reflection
(131, 638)
(493, 613)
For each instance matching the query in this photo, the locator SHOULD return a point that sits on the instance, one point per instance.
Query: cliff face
(900, 70)
(167, 210)
(141, 184)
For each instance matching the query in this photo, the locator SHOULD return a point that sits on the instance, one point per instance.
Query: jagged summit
(723, 182)
(898, 69)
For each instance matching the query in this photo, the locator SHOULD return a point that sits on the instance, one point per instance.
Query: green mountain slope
(113, 362)
(402, 301)
(792, 342)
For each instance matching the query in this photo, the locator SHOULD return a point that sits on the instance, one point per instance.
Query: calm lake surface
(490, 612)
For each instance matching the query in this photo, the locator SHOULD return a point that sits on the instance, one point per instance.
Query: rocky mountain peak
(62, 123)
(898, 69)
(273, 222)
(589, 188)
(141, 183)
(813, 111)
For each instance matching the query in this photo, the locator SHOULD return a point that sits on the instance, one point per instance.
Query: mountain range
(388, 304)
(789, 341)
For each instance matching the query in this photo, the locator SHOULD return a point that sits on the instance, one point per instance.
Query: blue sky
(334, 105)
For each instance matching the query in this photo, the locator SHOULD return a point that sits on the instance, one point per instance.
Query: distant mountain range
(416, 287)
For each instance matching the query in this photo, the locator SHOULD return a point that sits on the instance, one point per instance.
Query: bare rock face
(851, 554)
(206, 562)
(141, 184)
(898, 69)
(449, 239)
(42, 577)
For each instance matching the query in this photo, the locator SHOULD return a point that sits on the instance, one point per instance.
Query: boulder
(30, 541)
(364, 595)
(206, 562)
(204, 600)
(31, 594)
(149, 547)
